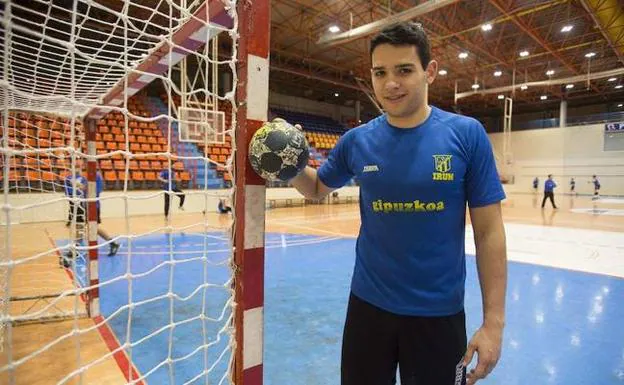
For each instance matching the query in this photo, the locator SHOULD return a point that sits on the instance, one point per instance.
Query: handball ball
(278, 151)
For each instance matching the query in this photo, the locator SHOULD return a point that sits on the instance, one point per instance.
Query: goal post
(73, 99)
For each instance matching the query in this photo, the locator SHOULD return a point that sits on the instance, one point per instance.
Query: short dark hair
(402, 34)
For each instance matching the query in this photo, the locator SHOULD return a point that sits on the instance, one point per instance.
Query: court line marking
(107, 334)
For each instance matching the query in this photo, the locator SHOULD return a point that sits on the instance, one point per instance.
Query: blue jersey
(164, 174)
(414, 186)
(549, 185)
(70, 182)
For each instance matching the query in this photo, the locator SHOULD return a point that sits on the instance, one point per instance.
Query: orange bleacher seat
(103, 129)
(33, 175)
(110, 176)
(146, 147)
(141, 139)
(137, 175)
(152, 140)
(31, 142)
(121, 175)
(152, 125)
(111, 146)
(14, 176)
(222, 158)
(116, 131)
(162, 141)
(134, 165)
(119, 165)
(178, 166)
(48, 176)
(184, 176)
(135, 147)
(106, 164)
(150, 176)
(120, 138)
(107, 137)
(144, 165)
(157, 148)
(137, 131)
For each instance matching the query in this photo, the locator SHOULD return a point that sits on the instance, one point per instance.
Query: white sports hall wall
(564, 152)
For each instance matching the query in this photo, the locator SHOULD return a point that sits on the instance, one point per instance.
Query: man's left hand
(486, 342)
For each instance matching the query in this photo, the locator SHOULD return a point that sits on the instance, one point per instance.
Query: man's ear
(431, 71)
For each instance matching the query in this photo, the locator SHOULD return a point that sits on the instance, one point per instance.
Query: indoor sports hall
(139, 246)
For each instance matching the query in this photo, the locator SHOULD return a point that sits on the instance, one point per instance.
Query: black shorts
(81, 211)
(427, 350)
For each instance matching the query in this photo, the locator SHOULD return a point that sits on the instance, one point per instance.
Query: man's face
(399, 80)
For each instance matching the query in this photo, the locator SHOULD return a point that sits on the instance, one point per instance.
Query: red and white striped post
(92, 277)
(252, 98)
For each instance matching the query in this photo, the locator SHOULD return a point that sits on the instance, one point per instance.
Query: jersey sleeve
(483, 186)
(335, 172)
(99, 184)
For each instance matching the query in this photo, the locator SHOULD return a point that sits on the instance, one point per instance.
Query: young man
(418, 167)
(535, 184)
(69, 192)
(164, 178)
(223, 206)
(549, 191)
(572, 186)
(80, 185)
(596, 183)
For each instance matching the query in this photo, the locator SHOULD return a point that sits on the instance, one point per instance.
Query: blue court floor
(563, 326)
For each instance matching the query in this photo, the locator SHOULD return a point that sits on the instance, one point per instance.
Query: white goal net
(115, 265)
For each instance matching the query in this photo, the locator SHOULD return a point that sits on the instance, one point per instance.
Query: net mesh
(163, 303)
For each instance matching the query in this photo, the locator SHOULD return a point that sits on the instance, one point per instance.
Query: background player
(165, 178)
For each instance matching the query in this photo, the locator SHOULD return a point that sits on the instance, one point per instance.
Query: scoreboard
(614, 127)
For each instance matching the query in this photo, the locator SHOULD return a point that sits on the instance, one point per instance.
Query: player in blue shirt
(165, 181)
(596, 183)
(549, 191)
(69, 183)
(418, 167)
(79, 185)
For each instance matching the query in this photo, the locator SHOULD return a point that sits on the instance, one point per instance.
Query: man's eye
(404, 71)
(379, 73)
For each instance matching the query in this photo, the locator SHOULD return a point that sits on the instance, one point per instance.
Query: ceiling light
(524, 53)
(566, 28)
(524, 87)
(476, 86)
(463, 55)
(501, 97)
(568, 86)
(442, 72)
(550, 72)
(486, 27)
(590, 54)
(543, 97)
(618, 86)
(498, 73)
(336, 94)
(611, 79)
(620, 105)
(334, 29)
